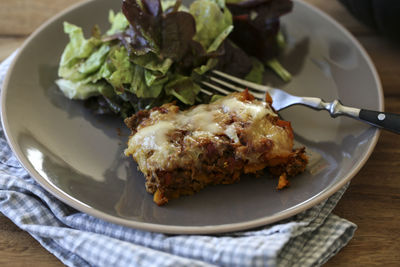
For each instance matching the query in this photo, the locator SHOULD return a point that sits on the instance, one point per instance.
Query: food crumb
(283, 181)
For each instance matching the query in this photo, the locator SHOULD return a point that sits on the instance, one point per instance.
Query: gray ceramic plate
(78, 157)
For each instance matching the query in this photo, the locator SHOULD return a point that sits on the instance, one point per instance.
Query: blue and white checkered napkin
(77, 239)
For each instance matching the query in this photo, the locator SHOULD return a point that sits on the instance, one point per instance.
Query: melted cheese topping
(153, 146)
(200, 118)
(247, 110)
(154, 136)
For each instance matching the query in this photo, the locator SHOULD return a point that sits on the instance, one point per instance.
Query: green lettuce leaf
(184, 89)
(144, 85)
(153, 78)
(210, 19)
(234, 1)
(277, 67)
(95, 60)
(77, 90)
(77, 50)
(118, 22)
(219, 39)
(152, 62)
(138, 81)
(170, 4)
(124, 69)
(211, 63)
(257, 72)
(78, 47)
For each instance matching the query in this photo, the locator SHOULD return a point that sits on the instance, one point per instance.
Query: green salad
(155, 52)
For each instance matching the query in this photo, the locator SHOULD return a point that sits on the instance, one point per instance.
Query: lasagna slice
(181, 152)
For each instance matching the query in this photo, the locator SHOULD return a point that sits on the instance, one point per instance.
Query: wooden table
(372, 201)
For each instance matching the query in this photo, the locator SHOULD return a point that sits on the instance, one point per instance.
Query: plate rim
(173, 229)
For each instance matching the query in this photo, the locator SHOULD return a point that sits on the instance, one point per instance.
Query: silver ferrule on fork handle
(282, 100)
(335, 108)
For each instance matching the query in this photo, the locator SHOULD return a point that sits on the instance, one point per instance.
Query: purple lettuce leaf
(257, 24)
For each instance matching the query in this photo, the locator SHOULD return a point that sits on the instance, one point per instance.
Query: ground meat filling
(181, 152)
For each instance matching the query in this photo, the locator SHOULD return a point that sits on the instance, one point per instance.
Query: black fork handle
(384, 120)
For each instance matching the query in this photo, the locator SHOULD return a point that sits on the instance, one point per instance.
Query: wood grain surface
(372, 200)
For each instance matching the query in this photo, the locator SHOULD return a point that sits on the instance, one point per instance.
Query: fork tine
(250, 85)
(216, 88)
(236, 88)
(229, 85)
(206, 92)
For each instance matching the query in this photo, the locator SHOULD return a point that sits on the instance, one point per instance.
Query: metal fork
(281, 100)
